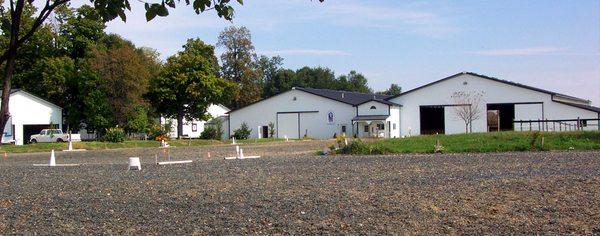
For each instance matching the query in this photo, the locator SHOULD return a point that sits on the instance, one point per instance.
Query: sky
(554, 45)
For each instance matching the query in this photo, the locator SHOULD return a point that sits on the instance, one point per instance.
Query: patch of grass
(96, 145)
(480, 142)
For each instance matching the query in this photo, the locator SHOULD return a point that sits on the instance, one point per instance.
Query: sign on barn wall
(330, 118)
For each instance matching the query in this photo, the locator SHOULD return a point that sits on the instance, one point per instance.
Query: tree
(124, 75)
(269, 68)
(239, 65)
(468, 107)
(188, 84)
(394, 90)
(357, 83)
(19, 31)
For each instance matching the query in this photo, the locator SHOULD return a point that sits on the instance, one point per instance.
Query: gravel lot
(294, 193)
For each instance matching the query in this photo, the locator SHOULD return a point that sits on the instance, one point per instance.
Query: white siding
(494, 92)
(263, 112)
(394, 120)
(380, 108)
(214, 111)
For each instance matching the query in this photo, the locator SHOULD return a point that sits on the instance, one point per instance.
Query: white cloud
(306, 52)
(529, 51)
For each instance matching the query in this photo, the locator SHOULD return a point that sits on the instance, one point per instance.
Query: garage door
(287, 125)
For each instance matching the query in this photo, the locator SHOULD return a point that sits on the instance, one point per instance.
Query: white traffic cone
(237, 151)
(70, 146)
(52, 159)
(241, 154)
(286, 138)
(233, 141)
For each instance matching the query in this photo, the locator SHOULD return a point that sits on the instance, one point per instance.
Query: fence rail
(557, 125)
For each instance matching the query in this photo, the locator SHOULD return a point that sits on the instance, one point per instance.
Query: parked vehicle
(53, 135)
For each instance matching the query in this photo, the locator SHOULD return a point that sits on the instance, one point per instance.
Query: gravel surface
(506, 193)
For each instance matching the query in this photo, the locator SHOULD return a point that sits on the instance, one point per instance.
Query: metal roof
(370, 117)
(352, 98)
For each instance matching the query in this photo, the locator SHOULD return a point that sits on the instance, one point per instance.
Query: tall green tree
(239, 65)
(189, 84)
(18, 31)
(269, 68)
(394, 90)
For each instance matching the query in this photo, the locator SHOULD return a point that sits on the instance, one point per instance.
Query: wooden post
(546, 122)
(578, 123)
(554, 126)
(539, 125)
(529, 125)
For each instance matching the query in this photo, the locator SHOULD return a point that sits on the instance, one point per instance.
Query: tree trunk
(10, 62)
(179, 124)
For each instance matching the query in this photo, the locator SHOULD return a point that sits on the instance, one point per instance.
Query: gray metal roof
(352, 98)
(370, 117)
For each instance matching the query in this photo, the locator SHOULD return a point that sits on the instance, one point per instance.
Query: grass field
(96, 145)
(481, 142)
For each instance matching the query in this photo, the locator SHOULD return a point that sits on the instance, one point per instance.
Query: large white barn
(432, 108)
(29, 114)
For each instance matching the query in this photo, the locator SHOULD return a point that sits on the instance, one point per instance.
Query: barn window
(366, 128)
(194, 127)
(380, 126)
(373, 108)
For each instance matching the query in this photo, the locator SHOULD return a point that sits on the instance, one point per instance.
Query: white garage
(193, 128)
(29, 114)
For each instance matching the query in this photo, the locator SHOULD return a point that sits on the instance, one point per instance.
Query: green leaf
(150, 13)
(241, 2)
(171, 3)
(122, 16)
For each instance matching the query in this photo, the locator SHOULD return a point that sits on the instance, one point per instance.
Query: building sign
(330, 118)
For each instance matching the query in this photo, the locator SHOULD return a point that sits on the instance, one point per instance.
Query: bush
(243, 132)
(271, 129)
(160, 132)
(358, 147)
(210, 132)
(114, 135)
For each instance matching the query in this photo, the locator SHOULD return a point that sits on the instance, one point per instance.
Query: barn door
(287, 125)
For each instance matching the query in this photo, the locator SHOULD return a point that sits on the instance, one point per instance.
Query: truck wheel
(59, 140)
(33, 141)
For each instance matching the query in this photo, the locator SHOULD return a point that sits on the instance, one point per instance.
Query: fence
(557, 125)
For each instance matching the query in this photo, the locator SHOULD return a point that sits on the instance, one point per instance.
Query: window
(394, 126)
(343, 129)
(373, 108)
(380, 126)
(295, 99)
(366, 128)
(194, 127)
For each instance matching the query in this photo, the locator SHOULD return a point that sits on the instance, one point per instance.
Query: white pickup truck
(53, 135)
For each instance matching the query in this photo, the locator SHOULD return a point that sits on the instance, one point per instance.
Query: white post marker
(134, 163)
(346, 141)
(52, 159)
(52, 162)
(232, 140)
(70, 146)
(286, 138)
(240, 154)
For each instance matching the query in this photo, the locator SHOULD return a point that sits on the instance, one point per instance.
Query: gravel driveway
(507, 193)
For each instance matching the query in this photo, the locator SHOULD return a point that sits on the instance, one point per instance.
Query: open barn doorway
(501, 116)
(432, 119)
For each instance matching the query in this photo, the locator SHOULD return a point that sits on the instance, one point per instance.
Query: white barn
(29, 114)
(431, 109)
(319, 113)
(323, 113)
(194, 128)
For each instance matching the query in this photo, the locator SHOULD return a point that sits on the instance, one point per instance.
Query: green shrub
(271, 129)
(533, 139)
(210, 132)
(114, 135)
(243, 132)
